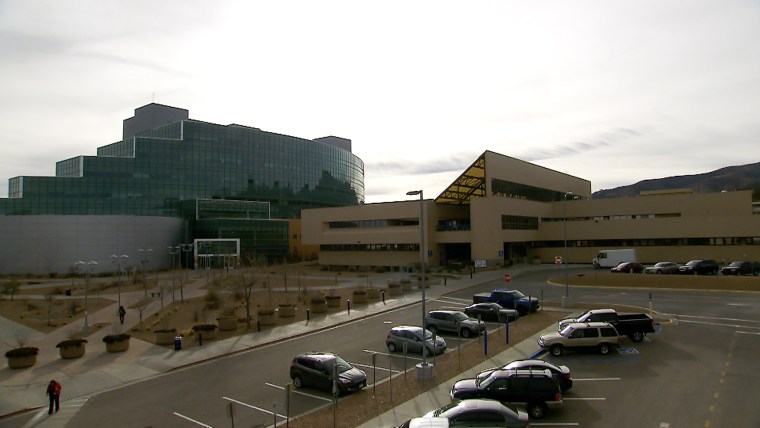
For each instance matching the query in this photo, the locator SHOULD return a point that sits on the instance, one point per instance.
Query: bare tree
(247, 288)
(49, 298)
(11, 288)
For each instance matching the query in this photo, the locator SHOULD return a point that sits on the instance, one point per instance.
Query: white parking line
(376, 367)
(192, 420)
(717, 324)
(595, 378)
(295, 391)
(583, 399)
(254, 407)
(554, 424)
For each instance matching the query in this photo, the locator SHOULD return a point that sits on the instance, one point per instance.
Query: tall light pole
(422, 278)
(566, 303)
(144, 261)
(88, 267)
(119, 263)
(174, 251)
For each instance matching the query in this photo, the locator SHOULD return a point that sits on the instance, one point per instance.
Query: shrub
(111, 338)
(25, 351)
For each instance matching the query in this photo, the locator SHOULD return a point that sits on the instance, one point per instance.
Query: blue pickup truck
(510, 299)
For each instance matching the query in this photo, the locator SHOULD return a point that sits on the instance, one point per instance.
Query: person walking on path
(54, 393)
(122, 312)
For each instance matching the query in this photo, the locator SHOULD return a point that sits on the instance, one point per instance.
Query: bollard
(348, 304)
(444, 280)
(200, 338)
(382, 293)
(258, 326)
(506, 330)
(485, 342)
(307, 314)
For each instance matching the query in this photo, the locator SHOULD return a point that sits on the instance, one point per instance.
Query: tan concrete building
(503, 210)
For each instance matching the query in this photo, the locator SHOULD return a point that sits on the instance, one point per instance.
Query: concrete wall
(46, 244)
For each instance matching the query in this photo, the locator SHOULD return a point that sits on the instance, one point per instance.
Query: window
(590, 332)
(608, 332)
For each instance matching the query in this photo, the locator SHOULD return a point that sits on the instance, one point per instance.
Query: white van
(612, 258)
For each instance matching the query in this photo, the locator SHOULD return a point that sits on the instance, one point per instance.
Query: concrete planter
(359, 296)
(286, 311)
(267, 317)
(165, 337)
(116, 342)
(21, 358)
(70, 349)
(373, 293)
(394, 289)
(406, 285)
(333, 301)
(208, 331)
(318, 305)
(227, 323)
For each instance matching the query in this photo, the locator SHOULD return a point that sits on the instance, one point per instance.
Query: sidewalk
(99, 371)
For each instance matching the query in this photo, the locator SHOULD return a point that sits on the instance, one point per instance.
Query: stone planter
(227, 323)
(286, 311)
(373, 293)
(267, 317)
(208, 331)
(406, 285)
(394, 289)
(318, 305)
(333, 301)
(70, 349)
(21, 358)
(165, 336)
(116, 342)
(359, 296)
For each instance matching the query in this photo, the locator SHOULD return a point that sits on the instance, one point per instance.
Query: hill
(741, 177)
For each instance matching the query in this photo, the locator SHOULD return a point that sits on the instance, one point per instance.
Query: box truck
(612, 258)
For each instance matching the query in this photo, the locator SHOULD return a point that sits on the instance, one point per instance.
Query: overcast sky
(611, 91)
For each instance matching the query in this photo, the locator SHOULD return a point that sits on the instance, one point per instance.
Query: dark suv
(316, 369)
(700, 267)
(453, 322)
(538, 390)
(741, 268)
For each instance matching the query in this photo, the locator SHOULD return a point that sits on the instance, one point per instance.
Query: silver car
(478, 411)
(456, 322)
(413, 337)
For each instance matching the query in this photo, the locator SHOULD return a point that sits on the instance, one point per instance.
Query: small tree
(49, 298)
(11, 288)
(247, 289)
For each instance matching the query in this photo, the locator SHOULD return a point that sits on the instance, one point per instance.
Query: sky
(610, 91)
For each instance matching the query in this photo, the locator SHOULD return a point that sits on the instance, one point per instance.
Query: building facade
(503, 210)
(187, 178)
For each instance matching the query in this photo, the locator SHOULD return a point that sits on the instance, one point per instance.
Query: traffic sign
(558, 260)
(507, 277)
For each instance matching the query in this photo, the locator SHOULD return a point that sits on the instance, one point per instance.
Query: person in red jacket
(54, 393)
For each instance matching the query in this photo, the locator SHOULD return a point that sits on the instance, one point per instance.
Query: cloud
(608, 139)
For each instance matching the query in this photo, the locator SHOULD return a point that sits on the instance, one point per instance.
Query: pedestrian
(54, 393)
(122, 312)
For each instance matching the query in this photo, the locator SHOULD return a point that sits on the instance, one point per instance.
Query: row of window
(369, 224)
(369, 247)
(659, 242)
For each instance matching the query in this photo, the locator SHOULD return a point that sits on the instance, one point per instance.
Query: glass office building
(166, 163)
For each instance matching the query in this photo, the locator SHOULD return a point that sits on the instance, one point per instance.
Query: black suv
(537, 389)
(700, 267)
(456, 322)
(316, 369)
(741, 268)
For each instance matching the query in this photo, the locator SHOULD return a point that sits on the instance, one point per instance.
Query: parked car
(561, 373)
(600, 336)
(493, 312)
(700, 267)
(741, 268)
(538, 390)
(633, 325)
(510, 299)
(662, 268)
(413, 337)
(628, 267)
(316, 369)
(456, 322)
(479, 412)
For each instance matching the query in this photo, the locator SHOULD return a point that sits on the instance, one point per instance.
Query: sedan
(493, 312)
(700, 267)
(628, 267)
(663, 268)
(475, 412)
(740, 268)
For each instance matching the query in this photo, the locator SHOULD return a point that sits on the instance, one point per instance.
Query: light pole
(174, 251)
(566, 303)
(119, 263)
(87, 267)
(144, 261)
(425, 369)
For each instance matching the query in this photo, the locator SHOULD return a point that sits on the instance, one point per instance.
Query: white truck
(612, 258)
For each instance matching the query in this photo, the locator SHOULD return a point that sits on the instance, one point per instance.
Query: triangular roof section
(469, 185)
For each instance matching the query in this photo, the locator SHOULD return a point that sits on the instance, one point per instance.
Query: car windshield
(343, 365)
(517, 294)
(460, 316)
(736, 264)
(566, 332)
(444, 409)
(693, 263)
(428, 335)
(484, 379)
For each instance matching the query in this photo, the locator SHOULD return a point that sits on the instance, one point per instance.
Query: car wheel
(391, 347)
(501, 318)
(556, 350)
(522, 312)
(604, 349)
(426, 351)
(536, 410)
(658, 272)
(466, 333)
(297, 381)
(433, 330)
(637, 336)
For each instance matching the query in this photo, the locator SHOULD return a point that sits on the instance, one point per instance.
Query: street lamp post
(144, 261)
(174, 251)
(425, 369)
(566, 302)
(119, 263)
(87, 267)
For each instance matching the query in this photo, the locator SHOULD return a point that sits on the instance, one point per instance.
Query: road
(699, 371)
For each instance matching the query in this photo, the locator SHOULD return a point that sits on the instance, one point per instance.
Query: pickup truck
(510, 299)
(635, 326)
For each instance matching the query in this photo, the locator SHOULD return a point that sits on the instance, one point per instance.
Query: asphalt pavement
(22, 391)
